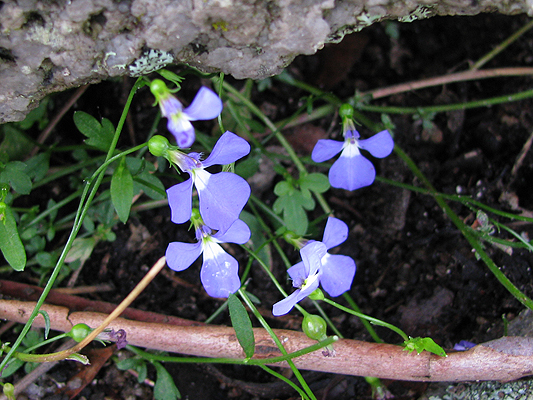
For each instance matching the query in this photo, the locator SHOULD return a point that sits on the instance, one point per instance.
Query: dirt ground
(414, 269)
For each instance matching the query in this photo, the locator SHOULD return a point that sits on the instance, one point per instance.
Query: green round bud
(79, 332)
(314, 327)
(9, 390)
(317, 295)
(158, 146)
(158, 88)
(346, 111)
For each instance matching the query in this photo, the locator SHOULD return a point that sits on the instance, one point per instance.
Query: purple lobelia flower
(222, 196)
(464, 345)
(205, 105)
(352, 171)
(332, 271)
(220, 271)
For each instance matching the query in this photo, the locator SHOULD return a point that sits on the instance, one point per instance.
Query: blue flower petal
(205, 105)
(338, 272)
(182, 130)
(312, 254)
(464, 345)
(180, 256)
(380, 145)
(222, 197)
(284, 306)
(351, 171)
(170, 106)
(335, 233)
(229, 148)
(220, 271)
(298, 274)
(180, 201)
(238, 233)
(326, 149)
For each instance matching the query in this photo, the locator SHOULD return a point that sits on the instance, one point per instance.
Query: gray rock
(47, 46)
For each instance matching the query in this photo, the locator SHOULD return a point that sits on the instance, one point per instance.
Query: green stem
(502, 46)
(278, 343)
(375, 321)
(365, 322)
(449, 107)
(521, 297)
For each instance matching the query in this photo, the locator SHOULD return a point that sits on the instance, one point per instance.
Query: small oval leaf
(122, 191)
(10, 242)
(242, 324)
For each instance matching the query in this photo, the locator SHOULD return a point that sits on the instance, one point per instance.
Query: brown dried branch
(490, 361)
(446, 79)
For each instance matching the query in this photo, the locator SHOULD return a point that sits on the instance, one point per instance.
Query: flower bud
(158, 88)
(314, 327)
(158, 146)
(317, 295)
(346, 111)
(9, 390)
(294, 239)
(79, 332)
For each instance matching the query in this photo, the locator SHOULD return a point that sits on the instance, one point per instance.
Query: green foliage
(15, 144)
(294, 198)
(420, 344)
(242, 324)
(165, 388)
(14, 174)
(10, 243)
(122, 190)
(137, 364)
(46, 317)
(99, 135)
(259, 243)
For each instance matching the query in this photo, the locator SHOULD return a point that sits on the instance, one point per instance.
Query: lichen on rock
(47, 47)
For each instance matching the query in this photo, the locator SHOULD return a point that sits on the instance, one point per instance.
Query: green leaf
(15, 175)
(136, 364)
(122, 190)
(150, 184)
(98, 135)
(282, 188)
(420, 344)
(242, 324)
(46, 323)
(10, 242)
(87, 124)
(315, 182)
(164, 388)
(37, 167)
(249, 166)
(260, 244)
(12, 367)
(81, 249)
(79, 358)
(16, 143)
(293, 206)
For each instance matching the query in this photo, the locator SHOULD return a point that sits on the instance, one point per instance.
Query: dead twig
(442, 80)
(489, 361)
